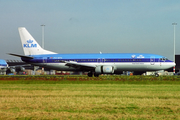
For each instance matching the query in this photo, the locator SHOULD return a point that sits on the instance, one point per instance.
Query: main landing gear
(90, 74)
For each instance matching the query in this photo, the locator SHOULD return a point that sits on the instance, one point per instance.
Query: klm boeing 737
(94, 64)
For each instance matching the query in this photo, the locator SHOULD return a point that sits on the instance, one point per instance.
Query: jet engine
(20, 69)
(11, 70)
(3, 69)
(104, 70)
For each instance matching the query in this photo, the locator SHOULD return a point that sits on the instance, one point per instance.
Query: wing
(79, 65)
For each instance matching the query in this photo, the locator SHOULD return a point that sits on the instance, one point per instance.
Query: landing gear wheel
(90, 74)
(156, 74)
(96, 75)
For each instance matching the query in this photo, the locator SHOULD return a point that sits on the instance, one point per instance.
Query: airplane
(3, 66)
(95, 63)
(6, 69)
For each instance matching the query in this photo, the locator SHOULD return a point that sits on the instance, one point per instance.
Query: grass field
(28, 100)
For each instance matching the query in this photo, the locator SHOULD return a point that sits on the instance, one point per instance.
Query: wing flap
(78, 65)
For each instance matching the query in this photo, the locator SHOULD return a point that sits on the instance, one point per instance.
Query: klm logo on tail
(30, 44)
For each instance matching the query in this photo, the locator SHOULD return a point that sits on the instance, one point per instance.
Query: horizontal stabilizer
(23, 56)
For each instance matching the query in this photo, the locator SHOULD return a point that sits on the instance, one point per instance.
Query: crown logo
(133, 56)
(29, 41)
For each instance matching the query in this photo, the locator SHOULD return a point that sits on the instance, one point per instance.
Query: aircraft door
(99, 60)
(152, 60)
(103, 60)
(44, 60)
(159, 62)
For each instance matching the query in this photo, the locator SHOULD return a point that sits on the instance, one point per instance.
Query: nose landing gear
(156, 74)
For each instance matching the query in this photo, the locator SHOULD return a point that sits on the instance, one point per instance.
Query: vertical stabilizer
(30, 45)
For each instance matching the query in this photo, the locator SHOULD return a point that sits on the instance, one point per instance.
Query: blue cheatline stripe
(3, 64)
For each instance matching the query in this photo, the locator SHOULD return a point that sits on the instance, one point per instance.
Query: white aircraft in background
(95, 64)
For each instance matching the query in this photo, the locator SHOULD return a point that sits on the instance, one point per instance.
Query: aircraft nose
(174, 63)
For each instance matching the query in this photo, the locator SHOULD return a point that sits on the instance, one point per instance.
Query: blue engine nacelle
(104, 70)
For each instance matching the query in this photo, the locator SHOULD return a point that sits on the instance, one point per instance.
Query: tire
(156, 74)
(96, 75)
(90, 74)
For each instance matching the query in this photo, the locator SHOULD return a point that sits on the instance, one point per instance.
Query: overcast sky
(90, 26)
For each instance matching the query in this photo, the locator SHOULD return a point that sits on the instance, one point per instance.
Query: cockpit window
(163, 59)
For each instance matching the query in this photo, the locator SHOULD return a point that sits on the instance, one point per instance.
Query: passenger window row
(96, 60)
